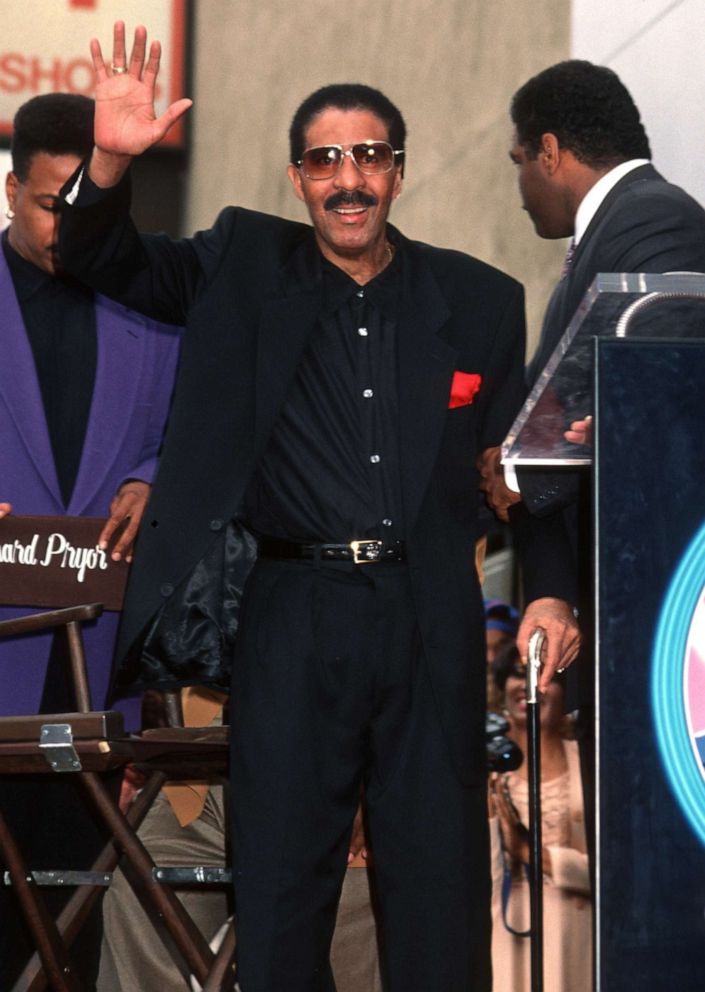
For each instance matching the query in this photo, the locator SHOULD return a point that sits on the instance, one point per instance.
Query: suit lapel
(567, 295)
(19, 387)
(555, 321)
(426, 367)
(285, 325)
(120, 341)
(640, 174)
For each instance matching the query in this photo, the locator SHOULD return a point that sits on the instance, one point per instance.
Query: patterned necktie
(568, 260)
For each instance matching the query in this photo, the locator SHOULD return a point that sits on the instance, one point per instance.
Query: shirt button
(360, 293)
(362, 331)
(387, 522)
(374, 459)
(166, 589)
(367, 393)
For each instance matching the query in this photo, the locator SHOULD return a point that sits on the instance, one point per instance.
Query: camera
(503, 755)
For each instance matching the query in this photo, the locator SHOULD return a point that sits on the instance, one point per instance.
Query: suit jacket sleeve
(543, 547)
(656, 228)
(153, 274)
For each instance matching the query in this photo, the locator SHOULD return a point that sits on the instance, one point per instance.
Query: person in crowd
(567, 945)
(501, 626)
(338, 381)
(85, 387)
(584, 171)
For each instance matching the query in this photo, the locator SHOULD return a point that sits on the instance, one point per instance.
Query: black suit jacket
(249, 292)
(644, 224)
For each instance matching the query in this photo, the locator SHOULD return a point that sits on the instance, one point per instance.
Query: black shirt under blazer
(249, 292)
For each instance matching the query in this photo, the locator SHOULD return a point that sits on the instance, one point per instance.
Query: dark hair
(589, 110)
(345, 96)
(55, 123)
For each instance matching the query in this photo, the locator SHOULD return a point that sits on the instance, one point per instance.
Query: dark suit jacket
(249, 291)
(644, 224)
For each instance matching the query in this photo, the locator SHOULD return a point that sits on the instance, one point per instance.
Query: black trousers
(331, 691)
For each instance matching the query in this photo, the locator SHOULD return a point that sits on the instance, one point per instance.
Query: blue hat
(501, 616)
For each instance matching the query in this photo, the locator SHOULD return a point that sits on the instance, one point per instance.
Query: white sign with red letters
(44, 48)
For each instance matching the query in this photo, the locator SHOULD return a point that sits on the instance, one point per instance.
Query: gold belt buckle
(366, 552)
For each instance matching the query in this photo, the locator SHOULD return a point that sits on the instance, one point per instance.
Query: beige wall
(450, 65)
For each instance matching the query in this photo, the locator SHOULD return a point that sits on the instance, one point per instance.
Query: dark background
(650, 481)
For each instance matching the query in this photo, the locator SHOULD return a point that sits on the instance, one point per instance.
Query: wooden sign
(55, 562)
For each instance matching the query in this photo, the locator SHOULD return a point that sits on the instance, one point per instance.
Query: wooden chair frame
(96, 745)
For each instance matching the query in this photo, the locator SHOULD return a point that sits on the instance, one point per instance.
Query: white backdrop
(656, 47)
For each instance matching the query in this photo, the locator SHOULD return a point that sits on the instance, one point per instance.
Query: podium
(634, 356)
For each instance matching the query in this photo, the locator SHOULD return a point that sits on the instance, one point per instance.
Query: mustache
(354, 198)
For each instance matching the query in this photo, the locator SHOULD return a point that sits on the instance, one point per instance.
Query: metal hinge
(196, 875)
(56, 743)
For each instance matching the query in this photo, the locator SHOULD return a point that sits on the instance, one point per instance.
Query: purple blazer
(135, 371)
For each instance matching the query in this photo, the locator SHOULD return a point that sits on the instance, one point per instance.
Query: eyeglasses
(373, 158)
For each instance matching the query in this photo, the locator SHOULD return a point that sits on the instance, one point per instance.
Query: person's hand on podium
(580, 431)
(498, 494)
(5, 508)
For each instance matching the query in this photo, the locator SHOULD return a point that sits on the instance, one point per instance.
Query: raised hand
(125, 119)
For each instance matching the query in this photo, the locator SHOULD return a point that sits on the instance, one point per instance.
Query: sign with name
(45, 49)
(56, 562)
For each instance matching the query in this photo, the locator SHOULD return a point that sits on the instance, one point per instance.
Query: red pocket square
(463, 388)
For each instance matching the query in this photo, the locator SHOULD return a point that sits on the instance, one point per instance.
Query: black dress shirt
(330, 471)
(59, 317)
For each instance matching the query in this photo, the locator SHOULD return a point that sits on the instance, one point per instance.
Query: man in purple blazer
(85, 387)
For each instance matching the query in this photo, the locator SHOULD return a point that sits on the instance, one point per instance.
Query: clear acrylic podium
(634, 356)
(621, 306)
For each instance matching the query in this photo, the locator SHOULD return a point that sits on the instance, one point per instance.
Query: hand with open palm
(126, 123)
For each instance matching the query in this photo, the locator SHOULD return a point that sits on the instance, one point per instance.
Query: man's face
(349, 210)
(34, 229)
(494, 642)
(542, 195)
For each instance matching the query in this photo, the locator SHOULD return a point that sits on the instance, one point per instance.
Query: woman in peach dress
(566, 887)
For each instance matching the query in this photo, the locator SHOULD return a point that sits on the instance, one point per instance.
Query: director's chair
(89, 744)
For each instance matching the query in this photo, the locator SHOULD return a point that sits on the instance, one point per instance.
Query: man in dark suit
(337, 384)
(584, 172)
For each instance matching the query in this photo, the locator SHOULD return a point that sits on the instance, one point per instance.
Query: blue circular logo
(678, 683)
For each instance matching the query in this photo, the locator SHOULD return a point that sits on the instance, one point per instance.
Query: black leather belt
(358, 552)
